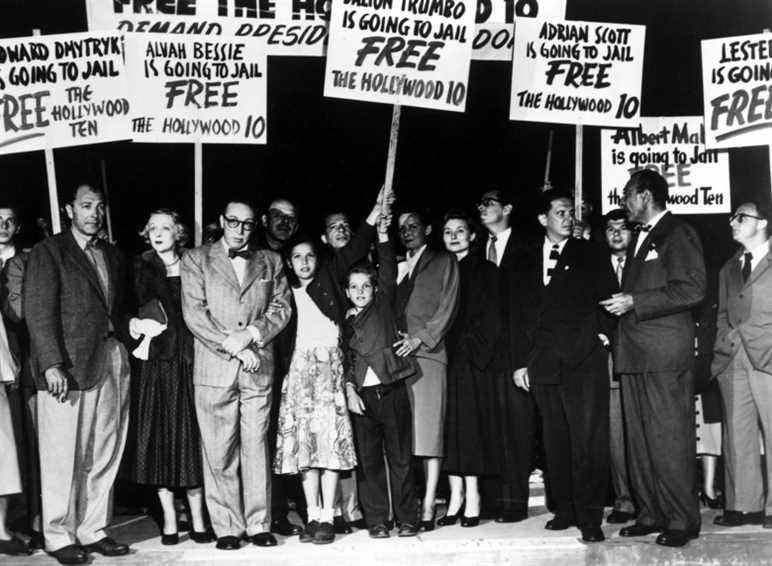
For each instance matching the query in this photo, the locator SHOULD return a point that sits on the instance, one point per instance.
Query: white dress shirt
(406, 267)
(757, 253)
(548, 263)
(653, 222)
(500, 244)
(6, 254)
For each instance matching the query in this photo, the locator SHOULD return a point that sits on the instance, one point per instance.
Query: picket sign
(53, 192)
(578, 172)
(108, 216)
(391, 158)
(198, 192)
(769, 147)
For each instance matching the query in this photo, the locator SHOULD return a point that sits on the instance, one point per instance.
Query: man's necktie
(553, 261)
(97, 260)
(619, 269)
(747, 257)
(243, 254)
(492, 255)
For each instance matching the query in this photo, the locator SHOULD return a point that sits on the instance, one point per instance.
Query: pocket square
(651, 255)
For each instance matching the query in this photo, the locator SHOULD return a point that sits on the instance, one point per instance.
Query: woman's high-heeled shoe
(448, 520)
(169, 540)
(469, 521)
(428, 525)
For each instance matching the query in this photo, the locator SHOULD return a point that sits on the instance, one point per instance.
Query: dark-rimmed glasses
(233, 223)
(741, 216)
(488, 201)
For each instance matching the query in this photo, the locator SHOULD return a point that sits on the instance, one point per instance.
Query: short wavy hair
(181, 232)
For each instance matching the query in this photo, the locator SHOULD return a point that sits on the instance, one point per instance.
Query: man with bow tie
(562, 360)
(663, 280)
(742, 363)
(235, 301)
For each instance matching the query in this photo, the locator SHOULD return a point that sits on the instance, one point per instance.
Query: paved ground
(525, 543)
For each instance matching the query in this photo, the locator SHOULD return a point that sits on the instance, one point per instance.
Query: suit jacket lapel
(255, 268)
(221, 263)
(84, 264)
(760, 268)
(565, 260)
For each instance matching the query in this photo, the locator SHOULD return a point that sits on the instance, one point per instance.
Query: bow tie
(243, 254)
(643, 228)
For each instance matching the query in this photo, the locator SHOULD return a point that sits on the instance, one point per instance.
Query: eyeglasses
(278, 215)
(741, 216)
(486, 202)
(233, 223)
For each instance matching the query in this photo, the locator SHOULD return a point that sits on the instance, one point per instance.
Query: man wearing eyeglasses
(235, 301)
(280, 223)
(742, 360)
(663, 281)
(516, 405)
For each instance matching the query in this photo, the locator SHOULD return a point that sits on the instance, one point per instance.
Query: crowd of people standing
(272, 365)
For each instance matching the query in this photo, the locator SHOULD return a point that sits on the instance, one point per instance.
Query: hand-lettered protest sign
(62, 90)
(188, 89)
(297, 27)
(409, 52)
(737, 90)
(571, 72)
(674, 147)
(495, 19)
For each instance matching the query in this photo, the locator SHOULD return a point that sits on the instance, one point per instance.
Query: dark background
(327, 153)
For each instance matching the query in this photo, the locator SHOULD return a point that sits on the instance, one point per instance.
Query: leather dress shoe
(201, 537)
(340, 526)
(284, 528)
(228, 543)
(408, 530)
(170, 540)
(638, 530)
(675, 538)
(70, 554)
(36, 541)
(325, 534)
(469, 521)
(738, 519)
(107, 547)
(263, 539)
(379, 531)
(618, 517)
(309, 532)
(512, 516)
(560, 523)
(592, 534)
(15, 547)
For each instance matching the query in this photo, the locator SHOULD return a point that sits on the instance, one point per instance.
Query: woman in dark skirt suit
(167, 451)
(470, 422)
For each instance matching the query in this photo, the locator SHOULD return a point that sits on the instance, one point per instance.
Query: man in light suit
(742, 360)
(235, 301)
(75, 299)
(663, 280)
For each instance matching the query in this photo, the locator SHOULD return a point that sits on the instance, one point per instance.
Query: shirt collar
(758, 252)
(549, 243)
(502, 236)
(8, 253)
(414, 258)
(227, 249)
(656, 218)
(81, 239)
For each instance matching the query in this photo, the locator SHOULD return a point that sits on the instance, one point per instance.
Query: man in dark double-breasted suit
(565, 365)
(663, 280)
(76, 305)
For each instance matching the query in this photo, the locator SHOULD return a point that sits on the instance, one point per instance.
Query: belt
(380, 391)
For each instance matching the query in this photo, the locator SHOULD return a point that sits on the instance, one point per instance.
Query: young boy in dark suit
(377, 396)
